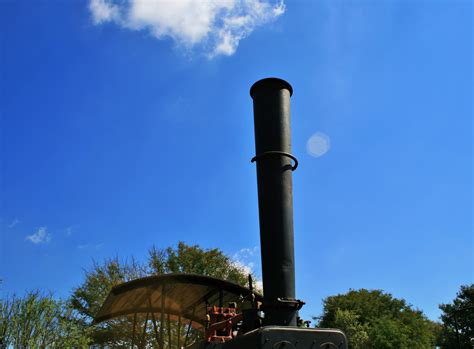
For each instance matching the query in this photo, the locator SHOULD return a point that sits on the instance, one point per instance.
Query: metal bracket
(284, 303)
(291, 302)
(276, 152)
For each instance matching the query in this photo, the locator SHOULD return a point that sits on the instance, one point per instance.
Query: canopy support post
(157, 336)
(162, 318)
(144, 331)
(168, 324)
(159, 340)
(179, 332)
(189, 328)
(134, 328)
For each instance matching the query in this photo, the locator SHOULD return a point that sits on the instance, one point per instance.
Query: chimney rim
(271, 82)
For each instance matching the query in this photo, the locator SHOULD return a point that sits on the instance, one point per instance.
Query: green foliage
(195, 260)
(375, 320)
(37, 321)
(458, 316)
(349, 323)
(88, 297)
(6, 318)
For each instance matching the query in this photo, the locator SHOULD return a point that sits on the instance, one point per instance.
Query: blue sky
(125, 125)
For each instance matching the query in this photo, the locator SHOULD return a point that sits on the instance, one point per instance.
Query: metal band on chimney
(276, 152)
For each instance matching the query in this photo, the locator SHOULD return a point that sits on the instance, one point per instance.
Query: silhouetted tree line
(371, 319)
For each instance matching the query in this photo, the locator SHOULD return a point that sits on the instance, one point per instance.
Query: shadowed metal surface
(185, 295)
(271, 106)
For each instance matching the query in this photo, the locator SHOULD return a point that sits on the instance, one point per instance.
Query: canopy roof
(185, 295)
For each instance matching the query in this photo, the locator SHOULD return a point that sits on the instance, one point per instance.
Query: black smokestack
(271, 105)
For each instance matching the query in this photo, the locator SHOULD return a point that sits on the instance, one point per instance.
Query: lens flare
(318, 144)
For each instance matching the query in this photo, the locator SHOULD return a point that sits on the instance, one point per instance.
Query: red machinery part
(221, 321)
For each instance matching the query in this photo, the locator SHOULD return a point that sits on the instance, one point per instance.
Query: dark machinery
(232, 316)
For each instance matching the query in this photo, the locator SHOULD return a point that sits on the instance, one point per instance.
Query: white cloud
(71, 230)
(244, 268)
(13, 223)
(248, 261)
(103, 11)
(215, 25)
(40, 237)
(244, 259)
(245, 253)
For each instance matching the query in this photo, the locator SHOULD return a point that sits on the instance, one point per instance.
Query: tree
(349, 323)
(193, 259)
(6, 310)
(88, 297)
(37, 321)
(373, 319)
(458, 320)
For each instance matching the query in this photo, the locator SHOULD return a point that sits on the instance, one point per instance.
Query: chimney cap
(270, 83)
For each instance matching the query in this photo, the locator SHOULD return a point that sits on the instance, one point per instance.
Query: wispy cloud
(244, 259)
(40, 237)
(103, 11)
(245, 268)
(246, 252)
(68, 231)
(13, 223)
(217, 26)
